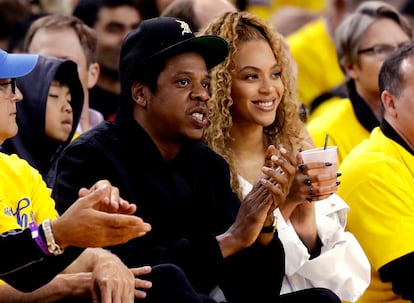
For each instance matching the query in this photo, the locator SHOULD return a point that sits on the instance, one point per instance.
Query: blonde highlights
(237, 28)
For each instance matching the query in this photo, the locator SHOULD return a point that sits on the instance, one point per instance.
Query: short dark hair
(391, 77)
(87, 10)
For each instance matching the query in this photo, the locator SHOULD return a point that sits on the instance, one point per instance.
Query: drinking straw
(326, 141)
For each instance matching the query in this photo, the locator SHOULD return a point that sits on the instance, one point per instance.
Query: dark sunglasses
(12, 82)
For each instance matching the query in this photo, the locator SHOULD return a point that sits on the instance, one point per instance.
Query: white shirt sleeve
(342, 265)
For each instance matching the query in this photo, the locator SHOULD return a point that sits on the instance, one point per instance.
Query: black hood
(31, 142)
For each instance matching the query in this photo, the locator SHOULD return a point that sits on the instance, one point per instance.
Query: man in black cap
(152, 153)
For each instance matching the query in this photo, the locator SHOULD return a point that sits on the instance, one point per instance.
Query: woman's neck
(249, 152)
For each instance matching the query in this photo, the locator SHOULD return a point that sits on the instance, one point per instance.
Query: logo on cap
(185, 27)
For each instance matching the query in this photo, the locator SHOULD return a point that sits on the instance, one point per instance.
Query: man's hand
(85, 225)
(114, 282)
(112, 202)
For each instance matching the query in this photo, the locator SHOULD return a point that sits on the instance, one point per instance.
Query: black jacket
(188, 201)
(24, 266)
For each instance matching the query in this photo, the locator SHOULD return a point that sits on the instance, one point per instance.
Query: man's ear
(388, 100)
(93, 74)
(139, 94)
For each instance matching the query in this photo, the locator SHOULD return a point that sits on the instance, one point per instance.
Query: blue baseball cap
(16, 65)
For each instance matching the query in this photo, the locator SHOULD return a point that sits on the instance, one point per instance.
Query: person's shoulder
(332, 104)
(332, 110)
(206, 150)
(369, 156)
(332, 119)
(13, 165)
(94, 133)
(373, 168)
(301, 36)
(206, 153)
(13, 161)
(94, 141)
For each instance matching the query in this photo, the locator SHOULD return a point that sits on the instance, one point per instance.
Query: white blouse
(342, 265)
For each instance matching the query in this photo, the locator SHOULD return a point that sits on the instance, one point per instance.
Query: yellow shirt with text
(24, 196)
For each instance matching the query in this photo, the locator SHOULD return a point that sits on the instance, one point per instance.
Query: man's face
(404, 104)
(178, 109)
(8, 99)
(112, 25)
(61, 43)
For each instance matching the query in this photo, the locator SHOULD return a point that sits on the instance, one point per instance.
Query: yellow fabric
(314, 53)
(24, 196)
(378, 185)
(75, 135)
(338, 120)
(328, 105)
(266, 11)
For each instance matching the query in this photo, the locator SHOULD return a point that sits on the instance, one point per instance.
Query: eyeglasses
(380, 50)
(12, 83)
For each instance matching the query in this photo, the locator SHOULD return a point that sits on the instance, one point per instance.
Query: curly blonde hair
(287, 128)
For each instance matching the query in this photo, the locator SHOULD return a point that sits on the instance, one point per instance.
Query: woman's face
(383, 32)
(257, 86)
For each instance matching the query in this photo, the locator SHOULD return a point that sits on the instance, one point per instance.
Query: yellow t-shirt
(378, 184)
(24, 196)
(338, 120)
(315, 55)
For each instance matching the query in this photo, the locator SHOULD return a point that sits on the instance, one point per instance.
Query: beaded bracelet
(38, 238)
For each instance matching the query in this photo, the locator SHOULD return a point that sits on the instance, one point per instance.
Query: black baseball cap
(162, 37)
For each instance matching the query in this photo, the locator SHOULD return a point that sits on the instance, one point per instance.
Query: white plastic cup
(320, 154)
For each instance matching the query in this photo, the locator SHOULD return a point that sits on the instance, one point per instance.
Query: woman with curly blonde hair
(253, 106)
(286, 129)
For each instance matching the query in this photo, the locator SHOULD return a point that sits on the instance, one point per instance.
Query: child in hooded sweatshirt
(48, 116)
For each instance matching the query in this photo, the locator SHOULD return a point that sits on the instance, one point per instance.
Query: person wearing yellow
(363, 40)
(313, 50)
(315, 56)
(264, 9)
(378, 183)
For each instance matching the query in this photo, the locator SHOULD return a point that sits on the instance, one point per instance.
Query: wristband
(52, 246)
(271, 228)
(38, 238)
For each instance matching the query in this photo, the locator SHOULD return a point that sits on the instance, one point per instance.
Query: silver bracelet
(52, 246)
